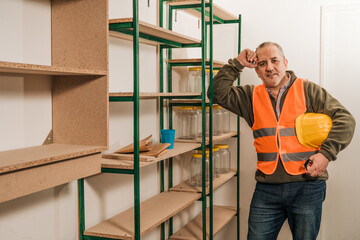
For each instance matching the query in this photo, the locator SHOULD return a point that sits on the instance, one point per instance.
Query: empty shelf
(217, 11)
(18, 159)
(151, 32)
(215, 138)
(153, 212)
(195, 62)
(23, 68)
(118, 96)
(193, 230)
(217, 182)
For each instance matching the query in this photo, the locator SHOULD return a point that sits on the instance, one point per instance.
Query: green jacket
(238, 99)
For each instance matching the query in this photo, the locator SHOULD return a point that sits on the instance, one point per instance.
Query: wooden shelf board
(153, 212)
(193, 230)
(23, 68)
(30, 180)
(148, 95)
(217, 11)
(122, 161)
(158, 32)
(130, 38)
(217, 182)
(216, 64)
(18, 159)
(196, 101)
(215, 138)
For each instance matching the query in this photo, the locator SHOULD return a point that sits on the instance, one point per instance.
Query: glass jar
(224, 157)
(198, 111)
(226, 120)
(216, 161)
(196, 170)
(194, 80)
(218, 124)
(207, 121)
(187, 123)
(177, 123)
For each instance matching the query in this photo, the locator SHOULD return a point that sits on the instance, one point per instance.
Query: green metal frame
(133, 29)
(203, 64)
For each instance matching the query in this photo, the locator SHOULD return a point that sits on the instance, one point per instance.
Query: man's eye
(275, 61)
(262, 64)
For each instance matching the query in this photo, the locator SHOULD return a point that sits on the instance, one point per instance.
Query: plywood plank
(23, 68)
(215, 138)
(153, 212)
(159, 32)
(217, 10)
(130, 38)
(217, 182)
(18, 159)
(193, 230)
(80, 110)
(148, 95)
(79, 34)
(127, 163)
(196, 101)
(30, 180)
(216, 64)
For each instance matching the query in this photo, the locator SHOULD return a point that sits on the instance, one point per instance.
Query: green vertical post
(170, 171)
(136, 120)
(238, 149)
(211, 216)
(203, 95)
(81, 202)
(161, 78)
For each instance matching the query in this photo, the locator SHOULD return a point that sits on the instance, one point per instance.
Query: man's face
(271, 66)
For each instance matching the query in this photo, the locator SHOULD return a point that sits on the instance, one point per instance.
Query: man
(284, 189)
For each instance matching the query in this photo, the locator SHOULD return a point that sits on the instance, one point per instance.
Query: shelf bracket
(49, 139)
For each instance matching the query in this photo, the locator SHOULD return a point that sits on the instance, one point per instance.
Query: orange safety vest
(273, 138)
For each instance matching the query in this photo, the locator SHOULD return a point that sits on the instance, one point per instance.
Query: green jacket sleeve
(235, 99)
(320, 101)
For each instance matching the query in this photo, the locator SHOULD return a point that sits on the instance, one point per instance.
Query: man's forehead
(268, 52)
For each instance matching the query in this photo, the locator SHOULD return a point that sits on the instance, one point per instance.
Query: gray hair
(265, 44)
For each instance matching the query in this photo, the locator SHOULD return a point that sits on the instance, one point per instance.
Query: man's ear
(286, 63)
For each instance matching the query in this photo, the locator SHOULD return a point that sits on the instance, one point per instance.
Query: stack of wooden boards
(147, 148)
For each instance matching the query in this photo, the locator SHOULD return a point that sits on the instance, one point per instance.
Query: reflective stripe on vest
(277, 138)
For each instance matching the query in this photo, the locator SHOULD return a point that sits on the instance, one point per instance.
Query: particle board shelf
(193, 230)
(125, 161)
(217, 11)
(150, 32)
(23, 68)
(196, 62)
(26, 181)
(217, 182)
(149, 95)
(153, 212)
(215, 138)
(18, 159)
(196, 102)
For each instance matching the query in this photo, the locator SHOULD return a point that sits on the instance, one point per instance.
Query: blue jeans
(299, 202)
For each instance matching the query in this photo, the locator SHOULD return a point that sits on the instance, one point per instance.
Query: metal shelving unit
(149, 213)
(209, 14)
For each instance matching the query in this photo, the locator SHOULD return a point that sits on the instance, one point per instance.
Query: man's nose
(269, 67)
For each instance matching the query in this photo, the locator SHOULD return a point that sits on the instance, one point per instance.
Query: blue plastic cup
(168, 136)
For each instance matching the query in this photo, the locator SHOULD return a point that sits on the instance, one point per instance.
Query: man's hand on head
(247, 58)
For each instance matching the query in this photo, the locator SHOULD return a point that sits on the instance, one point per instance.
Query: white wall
(293, 24)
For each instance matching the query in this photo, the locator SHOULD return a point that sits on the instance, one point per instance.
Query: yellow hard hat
(312, 129)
